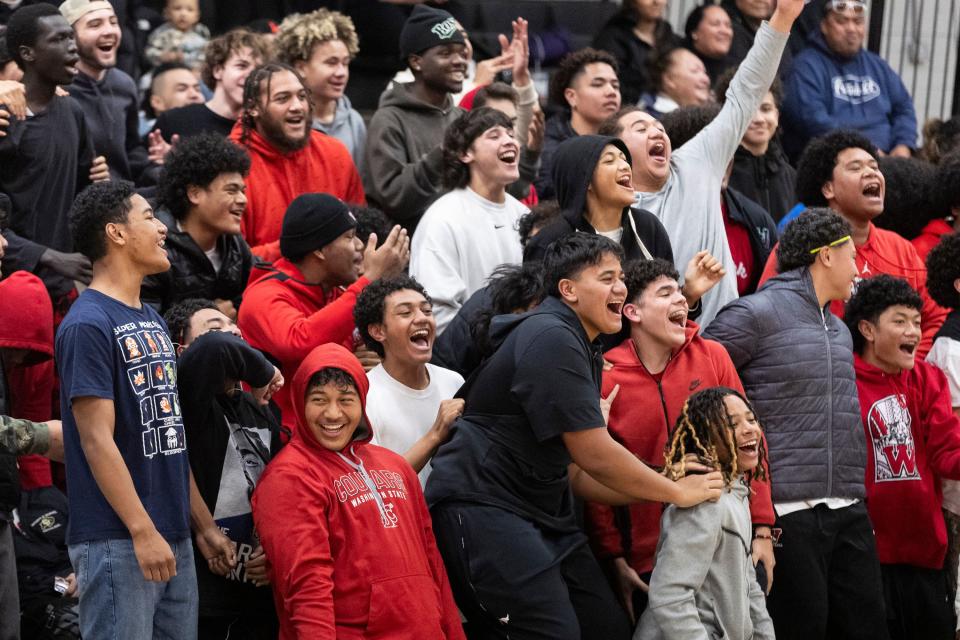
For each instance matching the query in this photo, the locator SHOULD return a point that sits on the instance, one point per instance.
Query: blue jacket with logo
(825, 91)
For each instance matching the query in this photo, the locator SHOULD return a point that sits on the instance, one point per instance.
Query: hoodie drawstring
(633, 227)
(371, 485)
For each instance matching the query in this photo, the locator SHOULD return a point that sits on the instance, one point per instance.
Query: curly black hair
(909, 202)
(510, 289)
(723, 83)
(816, 164)
(946, 184)
(813, 228)
(542, 214)
(179, 315)
(567, 257)
(196, 162)
(94, 208)
(684, 123)
(460, 136)
(24, 27)
(371, 220)
(940, 138)
(572, 66)
(371, 305)
(638, 274)
(874, 296)
(943, 269)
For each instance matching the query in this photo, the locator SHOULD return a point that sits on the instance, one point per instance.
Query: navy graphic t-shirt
(106, 349)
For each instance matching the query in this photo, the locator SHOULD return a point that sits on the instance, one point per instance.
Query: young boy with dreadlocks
(704, 583)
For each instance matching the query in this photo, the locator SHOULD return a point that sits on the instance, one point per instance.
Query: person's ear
(631, 312)
(217, 73)
(867, 330)
(415, 62)
(956, 285)
(193, 194)
(570, 95)
(568, 290)
(378, 332)
(114, 232)
(155, 103)
(467, 156)
(26, 53)
(829, 193)
(300, 66)
(825, 256)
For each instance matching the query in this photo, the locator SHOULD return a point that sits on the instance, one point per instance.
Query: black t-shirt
(192, 120)
(507, 450)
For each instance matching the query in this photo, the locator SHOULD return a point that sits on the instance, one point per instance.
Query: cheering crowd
(669, 352)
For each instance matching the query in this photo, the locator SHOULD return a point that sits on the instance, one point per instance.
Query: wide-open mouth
(750, 446)
(658, 150)
(625, 180)
(421, 338)
(615, 307)
(508, 156)
(678, 318)
(909, 347)
(872, 189)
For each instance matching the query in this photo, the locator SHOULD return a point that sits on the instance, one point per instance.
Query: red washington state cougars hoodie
(913, 440)
(348, 534)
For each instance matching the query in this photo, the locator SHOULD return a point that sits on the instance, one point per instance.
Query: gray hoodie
(688, 205)
(348, 128)
(403, 170)
(704, 585)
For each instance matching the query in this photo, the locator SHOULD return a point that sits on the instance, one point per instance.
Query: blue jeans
(118, 603)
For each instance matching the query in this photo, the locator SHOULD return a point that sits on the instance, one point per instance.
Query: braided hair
(704, 429)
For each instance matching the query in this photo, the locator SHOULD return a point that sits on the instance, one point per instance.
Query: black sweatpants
(827, 582)
(510, 579)
(917, 603)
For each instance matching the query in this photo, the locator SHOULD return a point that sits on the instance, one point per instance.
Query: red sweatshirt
(26, 322)
(887, 252)
(285, 317)
(348, 534)
(913, 441)
(275, 179)
(930, 236)
(640, 419)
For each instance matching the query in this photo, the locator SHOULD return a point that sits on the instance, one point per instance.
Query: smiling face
(844, 31)
(327, 70)
(233, 74)
(408, 328)
(649, 148)
(714, 35)
(842, 272)
(182, 14)
(686, 79)
(442, 68)
(494, 157)
(54, 53)
(612, 181)
(219, 206)
(283, 116)
(144, 237)
(857, 187)
(98, 38)
(746, 432)
(594, 93)
(659, 314)
(891, 343)
(332, 413)
(343, 259)
(764, 124)
(596, 295)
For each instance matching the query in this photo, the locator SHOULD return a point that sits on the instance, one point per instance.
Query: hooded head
(574, 165)
(26, 318)
(331, 414)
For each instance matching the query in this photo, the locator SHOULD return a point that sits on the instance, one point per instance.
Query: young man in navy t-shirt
(127, 470)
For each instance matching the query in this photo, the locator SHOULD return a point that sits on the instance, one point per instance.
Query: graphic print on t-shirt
(891, 432)
(151, 372)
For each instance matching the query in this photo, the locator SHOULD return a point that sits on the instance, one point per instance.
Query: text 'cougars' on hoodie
(348, 534)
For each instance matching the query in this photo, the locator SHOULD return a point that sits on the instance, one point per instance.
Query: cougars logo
(894, 451)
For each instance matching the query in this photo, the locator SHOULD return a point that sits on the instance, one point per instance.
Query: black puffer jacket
(768, 180)
(796, 363)
(191, 274)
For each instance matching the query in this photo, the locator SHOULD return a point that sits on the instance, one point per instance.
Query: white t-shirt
(460, 240)
(400, 415)
(945, 355)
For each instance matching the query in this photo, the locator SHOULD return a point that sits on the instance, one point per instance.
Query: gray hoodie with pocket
(704, 585)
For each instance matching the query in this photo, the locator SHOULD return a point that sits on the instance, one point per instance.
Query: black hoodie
(507, 449)
(573, 167)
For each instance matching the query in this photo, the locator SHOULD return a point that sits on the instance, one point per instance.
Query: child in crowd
(913, 442)
(181, 38)
(344, 522)
(703, 583)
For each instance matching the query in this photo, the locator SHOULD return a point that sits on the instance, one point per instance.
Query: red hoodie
(285, 317)
(348, 534)
(26, 322)
(643, 413)
(913, 441)
(930, 236)
(887, 252)
(275, 179)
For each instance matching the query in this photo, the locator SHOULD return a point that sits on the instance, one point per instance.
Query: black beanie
(313, 221)
(428, 27)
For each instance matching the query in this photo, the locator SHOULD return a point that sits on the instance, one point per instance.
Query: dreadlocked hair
(704, 430)
(256, 87)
